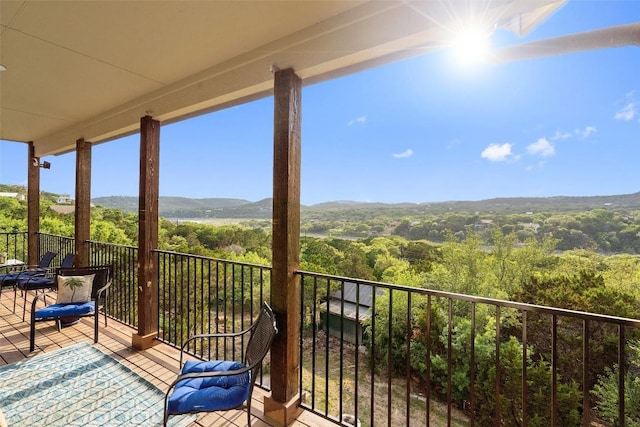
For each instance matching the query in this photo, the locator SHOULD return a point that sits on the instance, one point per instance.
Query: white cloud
(497, 153)
(586, 132)
(628, 112)
(542, 147)
(358, 120)
(404, 154)
(560, 135)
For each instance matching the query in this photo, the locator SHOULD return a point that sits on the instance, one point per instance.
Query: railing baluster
(313, 345)
(341, 367)
(449, 357)
(472, 362)
(301, 342)
(326, 353)
(389, 351)
(621, 375)
(372, 373)
(525, 398)
(586, 367)
(408, 362)
(428, 363)
(554, 369)
(357, 352)
(498, 416)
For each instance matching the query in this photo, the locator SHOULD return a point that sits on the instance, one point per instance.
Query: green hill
(184, 207)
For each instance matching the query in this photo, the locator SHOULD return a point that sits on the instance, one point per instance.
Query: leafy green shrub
(606, 390)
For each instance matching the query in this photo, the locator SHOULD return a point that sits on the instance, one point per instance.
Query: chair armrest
(100, 291)
(37, 298)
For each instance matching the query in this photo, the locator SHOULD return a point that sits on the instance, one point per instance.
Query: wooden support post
(282, 405)
(33, 206)
(148, 234)
(83, 202)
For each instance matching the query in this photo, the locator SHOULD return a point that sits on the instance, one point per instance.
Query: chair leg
(166, 412)
(24, 306)
(32, 333)
(95, 325)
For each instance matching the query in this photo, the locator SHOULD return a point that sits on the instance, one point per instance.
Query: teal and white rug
(79, 386)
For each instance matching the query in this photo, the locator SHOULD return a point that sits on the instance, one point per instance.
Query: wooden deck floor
(158, 365)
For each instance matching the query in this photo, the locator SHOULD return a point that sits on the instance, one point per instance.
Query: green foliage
(318, 256)
(606, 390)
(512, 257)
(582, 291)
(422, 255)
(387, 331)
(354, 263)
(538, 387)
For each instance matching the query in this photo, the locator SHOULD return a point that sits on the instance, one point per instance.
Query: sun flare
(471, 46)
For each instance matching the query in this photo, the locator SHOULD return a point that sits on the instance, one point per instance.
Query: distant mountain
(496, 205)
(539, 204)
(346, 204)
(183, 207)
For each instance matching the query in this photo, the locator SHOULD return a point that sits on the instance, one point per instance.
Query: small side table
(11, 262)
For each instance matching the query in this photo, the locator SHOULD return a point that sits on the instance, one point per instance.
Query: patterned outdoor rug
(79, 386)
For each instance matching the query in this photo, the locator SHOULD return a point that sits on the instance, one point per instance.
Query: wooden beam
(148, 234)
(282, 406)
(33, 206)
(83, 201)
(604, 38)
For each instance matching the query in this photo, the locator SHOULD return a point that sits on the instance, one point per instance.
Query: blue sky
(421, 130)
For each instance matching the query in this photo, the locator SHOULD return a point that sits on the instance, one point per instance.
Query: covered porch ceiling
(91, 69)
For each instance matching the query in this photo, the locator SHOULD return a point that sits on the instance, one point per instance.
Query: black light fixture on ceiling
(36, 162)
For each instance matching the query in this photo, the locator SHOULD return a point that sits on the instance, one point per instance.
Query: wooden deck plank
(158, 364)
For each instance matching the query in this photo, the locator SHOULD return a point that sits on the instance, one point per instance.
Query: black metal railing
(383, 354)
(207, 295)
(14, 244)
(61, 245)
(377, 354)
(122, 301)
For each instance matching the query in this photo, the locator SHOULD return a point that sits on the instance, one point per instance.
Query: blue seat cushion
(11, 278)
(36, 283)
(61, 310)
(212, 393)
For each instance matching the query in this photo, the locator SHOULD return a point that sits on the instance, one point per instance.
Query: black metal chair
(39, 282)
(9, 279)
(60, 311)
(219, 385)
